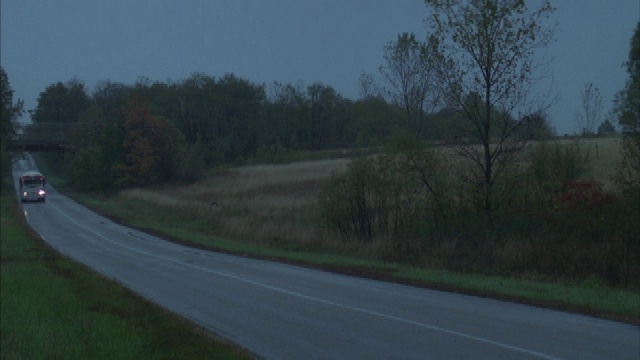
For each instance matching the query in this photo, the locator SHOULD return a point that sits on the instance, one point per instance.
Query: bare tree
(368, 86)
(591, 109)
(410, 71)
(488, 50)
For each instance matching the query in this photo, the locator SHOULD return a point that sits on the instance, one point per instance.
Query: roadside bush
(432, 180)
(627, 176)
(414, 206)
(401, 199)
(559, 227)
(575, 243)
(355, 203)
(338, 204)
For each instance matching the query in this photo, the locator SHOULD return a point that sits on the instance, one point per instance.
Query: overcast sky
(290, 41)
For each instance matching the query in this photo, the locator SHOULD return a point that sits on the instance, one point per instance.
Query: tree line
(204, 121)
(200, 122)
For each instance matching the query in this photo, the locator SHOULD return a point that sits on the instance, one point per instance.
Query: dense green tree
(287, 114)
(9, 114)
(95, 158)
(240, 102)
(223, 114)
(628, 100)
(112, 98)
(161, 97)
(96, 155)
(61, 103)
(606, 128)
(58, 110)
(488, 49)
(195, 99)
(535, 127)
(373, 121)
(10, 111)
(327, 116)
(627, 107)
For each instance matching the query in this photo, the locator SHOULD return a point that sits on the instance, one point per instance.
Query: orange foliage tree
(150, 143)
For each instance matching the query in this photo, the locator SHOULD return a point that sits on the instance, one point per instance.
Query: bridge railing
(42, 136)
(44, 132)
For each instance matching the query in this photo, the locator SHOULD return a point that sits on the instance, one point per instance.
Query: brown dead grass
(262, 203)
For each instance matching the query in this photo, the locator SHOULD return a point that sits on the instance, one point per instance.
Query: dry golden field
(261, 203)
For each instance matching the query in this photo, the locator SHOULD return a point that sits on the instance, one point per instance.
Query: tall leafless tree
(590, 111)
(409, 69)
(490, 63)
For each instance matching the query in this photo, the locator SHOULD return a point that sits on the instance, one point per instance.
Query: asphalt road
(279, 311)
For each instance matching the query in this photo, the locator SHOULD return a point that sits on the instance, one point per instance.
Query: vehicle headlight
(25, 194)
(41, 192)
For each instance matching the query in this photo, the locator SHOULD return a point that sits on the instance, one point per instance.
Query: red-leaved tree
(150, 143)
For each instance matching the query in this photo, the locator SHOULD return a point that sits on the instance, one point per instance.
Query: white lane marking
(319, 300)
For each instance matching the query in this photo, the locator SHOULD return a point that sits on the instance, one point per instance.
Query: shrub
(581, 194)
(627, 176)
(348, 202)
(400, 198)
(551, 167)
(418, 208)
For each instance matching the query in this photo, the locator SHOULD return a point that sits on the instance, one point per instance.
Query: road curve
(280, 311)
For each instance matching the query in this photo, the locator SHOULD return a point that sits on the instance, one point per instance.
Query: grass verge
(52, 307)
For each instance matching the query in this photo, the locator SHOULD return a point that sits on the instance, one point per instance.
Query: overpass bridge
(42, 137)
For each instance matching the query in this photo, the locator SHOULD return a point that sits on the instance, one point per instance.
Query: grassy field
(270, 211)
(54, 308)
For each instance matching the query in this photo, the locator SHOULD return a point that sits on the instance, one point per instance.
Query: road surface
(280, 311)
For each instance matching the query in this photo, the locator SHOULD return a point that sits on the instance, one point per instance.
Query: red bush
(581, 194)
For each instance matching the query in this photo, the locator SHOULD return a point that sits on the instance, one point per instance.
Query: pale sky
(290, 41)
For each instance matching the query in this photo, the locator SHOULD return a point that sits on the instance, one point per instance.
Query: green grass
(587, 298)
(52, 307)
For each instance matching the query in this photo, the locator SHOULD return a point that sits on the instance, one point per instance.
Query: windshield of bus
(31, 181)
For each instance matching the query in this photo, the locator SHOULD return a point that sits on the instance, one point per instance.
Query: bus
(32, 185)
